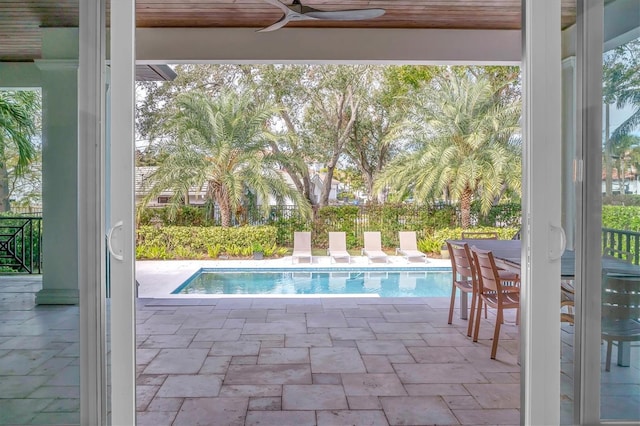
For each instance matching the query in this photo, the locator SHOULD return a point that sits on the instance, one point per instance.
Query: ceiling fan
(299, 12)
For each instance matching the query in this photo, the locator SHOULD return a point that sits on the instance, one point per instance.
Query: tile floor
(39, 368)
(361, 361)
(250, 361)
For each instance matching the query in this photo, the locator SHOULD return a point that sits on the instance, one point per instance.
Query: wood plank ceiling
(21, 20)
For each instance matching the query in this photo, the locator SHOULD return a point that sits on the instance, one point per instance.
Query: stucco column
(59, 181)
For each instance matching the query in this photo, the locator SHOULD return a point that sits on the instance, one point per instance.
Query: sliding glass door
(606, 360)
(620, 192)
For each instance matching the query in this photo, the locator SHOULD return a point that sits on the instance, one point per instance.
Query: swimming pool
(435, 282)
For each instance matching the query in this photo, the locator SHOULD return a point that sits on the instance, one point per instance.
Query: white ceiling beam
(336, 45)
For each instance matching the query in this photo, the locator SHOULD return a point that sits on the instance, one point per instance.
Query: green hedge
(183, 216)
(434, 242)
(353, 220)
(626, 218)
(182, 242)
(501, 215)
(336, 218)
(621, 200)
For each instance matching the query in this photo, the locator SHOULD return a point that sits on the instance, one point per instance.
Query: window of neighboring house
(163, 200)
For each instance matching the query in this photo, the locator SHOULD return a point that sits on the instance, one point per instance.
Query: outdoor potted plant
(258, 251)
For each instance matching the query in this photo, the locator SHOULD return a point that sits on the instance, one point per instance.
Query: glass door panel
(620, 282)
(39, 303)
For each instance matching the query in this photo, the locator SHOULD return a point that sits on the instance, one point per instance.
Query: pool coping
(158, 279)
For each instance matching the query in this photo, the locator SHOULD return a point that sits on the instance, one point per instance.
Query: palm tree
(219, 143)
(18, 111)
(625, 150)
(621, 88)
(469, 146)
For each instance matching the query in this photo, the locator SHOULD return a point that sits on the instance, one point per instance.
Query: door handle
(556, 254)
(115, 255)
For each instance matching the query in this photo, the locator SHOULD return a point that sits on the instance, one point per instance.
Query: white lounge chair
(409, 246)
(301, 246)
(373, 247)
(338, 247)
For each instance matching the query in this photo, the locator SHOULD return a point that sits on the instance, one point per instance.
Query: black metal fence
(354, 220)
(621, 244)
(21, 244)
(21, 236)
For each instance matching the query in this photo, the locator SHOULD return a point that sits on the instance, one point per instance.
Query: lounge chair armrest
(397, 250)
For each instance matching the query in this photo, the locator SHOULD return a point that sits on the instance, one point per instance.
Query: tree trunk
(225, 214)
(608, 160)
(326, 186)
(221, 197)
(368, 184)
(306, 181)
(5, 205)
(342, 135)
(465, 208)
(621, 173)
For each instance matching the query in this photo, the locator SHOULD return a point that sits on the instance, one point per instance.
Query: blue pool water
(405, 283)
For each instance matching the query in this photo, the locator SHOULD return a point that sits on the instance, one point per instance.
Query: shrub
(214, 251)
(151, 252)
(182, 216)
(434, 242)
(335, 218)
(429, 245)
(625, 218)
(621, 200)
(353, 220)
(198, 242)
(499, 215)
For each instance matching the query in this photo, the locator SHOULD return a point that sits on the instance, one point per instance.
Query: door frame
(121, 235)
(590, 38)
(97, 358)
(91, 251)
(541, 336)
(541, 203)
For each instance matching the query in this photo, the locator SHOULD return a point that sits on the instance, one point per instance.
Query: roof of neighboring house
(322, 176)
(141, 178)
(142, 183)
(629, 174)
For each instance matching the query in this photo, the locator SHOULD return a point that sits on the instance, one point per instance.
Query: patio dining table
(507, 255)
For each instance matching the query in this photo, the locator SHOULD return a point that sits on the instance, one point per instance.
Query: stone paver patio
(324, 361)
(283, 361)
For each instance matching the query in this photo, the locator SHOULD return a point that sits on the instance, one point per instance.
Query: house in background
(317, 182)
(197, 196)
(627, 184)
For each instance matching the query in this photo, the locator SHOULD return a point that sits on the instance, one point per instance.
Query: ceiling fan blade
(346, 15)
(299, 12)
(279, 4)
(277, 25)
